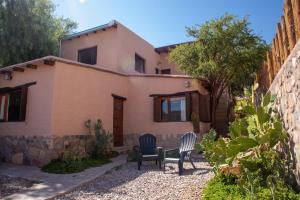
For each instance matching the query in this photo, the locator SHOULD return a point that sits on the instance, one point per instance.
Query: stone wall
(286, 87)
(164, 140)
(39, 150)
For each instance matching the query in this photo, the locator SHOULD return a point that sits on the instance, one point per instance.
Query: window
(181, 106)
(139, 64)
(165, 71)
(88, 56)
(172, 109)
(13, 104)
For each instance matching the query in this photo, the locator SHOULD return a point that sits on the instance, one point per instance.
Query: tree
(226, 52)
(29, 29)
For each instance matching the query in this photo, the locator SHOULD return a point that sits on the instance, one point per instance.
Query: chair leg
(180, 168)
(192, 163)
(139, 164)
(159, 164)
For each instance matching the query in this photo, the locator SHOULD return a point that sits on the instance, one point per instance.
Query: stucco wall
(116, 49)
(39, 108)
(107, 47)
(82, 93)
(286, 87)
(166, 64)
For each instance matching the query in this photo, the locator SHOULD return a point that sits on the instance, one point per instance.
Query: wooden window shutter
(188, 106)
(3, 106)
(24, 92)
(157, 109)
(204, 108)
(195, 103)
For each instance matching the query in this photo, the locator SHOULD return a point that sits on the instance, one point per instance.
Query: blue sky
(163, 22)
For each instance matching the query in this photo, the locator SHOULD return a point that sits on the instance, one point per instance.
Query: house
(106, 73)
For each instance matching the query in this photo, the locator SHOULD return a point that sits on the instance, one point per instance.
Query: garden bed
(70, 165)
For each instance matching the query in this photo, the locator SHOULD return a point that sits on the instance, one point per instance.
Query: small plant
(102, 139)
(71, 163)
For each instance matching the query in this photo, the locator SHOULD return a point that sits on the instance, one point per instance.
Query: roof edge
(111, 24)
(95, 67)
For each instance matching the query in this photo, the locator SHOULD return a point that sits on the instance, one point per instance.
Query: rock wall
(39, 150)
(286, 87)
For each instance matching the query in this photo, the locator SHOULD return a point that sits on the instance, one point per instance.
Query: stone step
(122, 149)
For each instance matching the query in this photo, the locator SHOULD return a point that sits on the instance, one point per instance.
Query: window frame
(135, 63)
(85, 49)
(168, 118)
(23, 101)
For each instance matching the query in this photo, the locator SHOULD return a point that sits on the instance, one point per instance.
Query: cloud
(82, 1)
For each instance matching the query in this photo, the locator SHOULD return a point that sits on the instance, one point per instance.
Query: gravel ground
(11, 185)
(127, 182)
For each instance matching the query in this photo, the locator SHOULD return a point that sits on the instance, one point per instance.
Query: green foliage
(102, 139)
(73, 164)
(224, 187)
(225, 51)
(253, 150)
(29, 30)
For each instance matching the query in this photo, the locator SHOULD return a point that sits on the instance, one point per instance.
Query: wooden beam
(280, 42)
(296, 14)
(5, 72)
(18, 69)
(285, 40)
(49, 62)
(290, 25)
(31, 66)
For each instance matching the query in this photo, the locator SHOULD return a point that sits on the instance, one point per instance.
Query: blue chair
(187, 143)
(147, 150)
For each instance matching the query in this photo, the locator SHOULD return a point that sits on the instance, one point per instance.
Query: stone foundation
(39, 150)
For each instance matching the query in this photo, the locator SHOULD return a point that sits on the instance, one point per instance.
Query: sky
(163, 22)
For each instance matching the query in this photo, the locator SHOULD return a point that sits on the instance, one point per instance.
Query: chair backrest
(187, 142)
(147, 144)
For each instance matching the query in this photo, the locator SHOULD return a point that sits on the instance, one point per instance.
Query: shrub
(73, 164)
(253, 152)
(102, 139)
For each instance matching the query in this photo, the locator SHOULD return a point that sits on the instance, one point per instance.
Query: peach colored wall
(131, 43)
(140, 105)
(116, 50)
(81, 93)
(39, 108)
(166, 64)
(107, 47)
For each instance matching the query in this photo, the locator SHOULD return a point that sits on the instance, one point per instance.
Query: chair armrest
(159, 151)
(137, 151)
(168, 152)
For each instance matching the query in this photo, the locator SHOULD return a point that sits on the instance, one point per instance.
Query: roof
(167, 48)
(50, 59)
(111, 24)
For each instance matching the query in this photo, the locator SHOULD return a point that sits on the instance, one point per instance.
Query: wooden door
(118, 122)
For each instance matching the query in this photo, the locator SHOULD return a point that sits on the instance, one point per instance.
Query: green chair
(147, 150)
